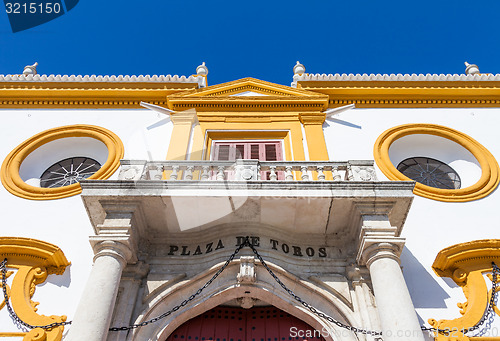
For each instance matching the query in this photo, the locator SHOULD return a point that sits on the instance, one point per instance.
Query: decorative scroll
(34, 261)
(465, 264)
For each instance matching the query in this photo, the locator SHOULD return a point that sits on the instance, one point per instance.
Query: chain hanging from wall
(246, 243)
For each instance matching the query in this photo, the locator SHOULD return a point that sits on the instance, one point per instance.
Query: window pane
(254, 151)
(240, 151)
(271, 152)
(223, 152)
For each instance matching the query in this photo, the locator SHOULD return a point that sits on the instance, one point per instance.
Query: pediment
(248, 94)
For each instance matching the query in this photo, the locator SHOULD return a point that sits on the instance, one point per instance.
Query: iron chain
(488, 311)
(186, 301)
(307, 305)
(11, 311)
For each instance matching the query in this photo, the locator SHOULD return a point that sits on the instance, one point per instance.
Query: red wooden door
(255, 150)
(238, 324)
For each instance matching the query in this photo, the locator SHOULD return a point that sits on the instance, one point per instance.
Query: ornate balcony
(311, 197)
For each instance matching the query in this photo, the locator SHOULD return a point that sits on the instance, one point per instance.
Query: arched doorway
(238, 324)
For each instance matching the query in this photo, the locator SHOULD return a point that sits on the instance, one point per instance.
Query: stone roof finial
(471, 69)
(299, 69)
(202, 70)
(30, 69)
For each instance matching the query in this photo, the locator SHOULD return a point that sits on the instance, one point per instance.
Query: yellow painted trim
(407, 94)
(316, 144)
(10, 168)
(81, 95)
(279, 99)
(484, 186)
(364, 94)
(181, 133)
(34, 261)
(6, 334)
(465, 263)
(247, 84)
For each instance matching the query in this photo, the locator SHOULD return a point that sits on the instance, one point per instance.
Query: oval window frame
(489, 167)
(10, 167)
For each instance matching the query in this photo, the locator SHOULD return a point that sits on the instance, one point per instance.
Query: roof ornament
(471, 69)
(30, 69)
(299, 69)
(202, 70)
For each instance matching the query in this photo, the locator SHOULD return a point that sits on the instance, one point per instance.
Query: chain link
(307, 305)
(246, 243)
(192, 297)
(12, 313)
(487, 312)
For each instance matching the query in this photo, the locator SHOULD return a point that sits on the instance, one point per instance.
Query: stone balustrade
(248, 170)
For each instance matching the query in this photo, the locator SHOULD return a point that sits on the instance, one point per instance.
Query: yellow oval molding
(489, 166)
(10, 168)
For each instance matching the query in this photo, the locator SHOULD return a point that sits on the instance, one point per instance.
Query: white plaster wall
(64, 222)
(431, 225)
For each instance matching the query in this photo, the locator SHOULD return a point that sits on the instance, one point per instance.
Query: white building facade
(361, 207)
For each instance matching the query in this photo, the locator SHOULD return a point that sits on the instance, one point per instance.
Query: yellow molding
(277, 98)
(10, 167)
(315, 95)
(32, 252)
(489, 167)
(86, 95)
(34, 261)
(247, 84)
(181, 133)
(465, 263)
(407, 94)
(474, 254)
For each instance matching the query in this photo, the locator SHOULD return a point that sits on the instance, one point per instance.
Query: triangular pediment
(248, 94)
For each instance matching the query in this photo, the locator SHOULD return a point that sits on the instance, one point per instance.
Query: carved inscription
(272, 244)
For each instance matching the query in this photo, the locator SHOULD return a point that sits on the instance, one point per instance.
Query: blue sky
(261, 39)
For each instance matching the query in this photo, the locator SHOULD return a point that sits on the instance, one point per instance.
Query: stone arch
(227, 288)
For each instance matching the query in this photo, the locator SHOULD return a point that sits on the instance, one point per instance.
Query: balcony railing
(248, 170)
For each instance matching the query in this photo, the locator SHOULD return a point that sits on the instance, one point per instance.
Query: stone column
(93, 315)
(379, 250)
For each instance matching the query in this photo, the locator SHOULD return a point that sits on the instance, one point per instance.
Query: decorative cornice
(405, 90)
(248, 84)
(36, 253)
(470, 255)
(396, 77)
(276, 98)
(105, 78)
(90, 91)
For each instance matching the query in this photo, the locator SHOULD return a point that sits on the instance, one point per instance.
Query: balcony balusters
(248, 170)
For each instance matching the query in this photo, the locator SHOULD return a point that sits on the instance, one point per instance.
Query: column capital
(314, 117)
(373, 248)
(119, 248)
(187, 117)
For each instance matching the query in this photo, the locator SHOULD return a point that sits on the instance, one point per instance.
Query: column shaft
(395, 307)
(93, 315)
